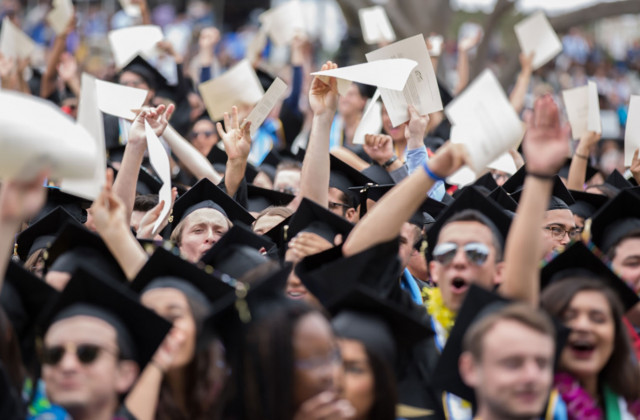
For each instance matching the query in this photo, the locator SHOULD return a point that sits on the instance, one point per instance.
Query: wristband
(545, 177)
(581, 156)
(431, 174)
(157, 365)
(389, 162)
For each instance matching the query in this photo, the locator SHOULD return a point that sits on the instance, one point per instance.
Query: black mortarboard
(578, 260)
(378, 174)
(277, 233)
(237, 252)
(515, 181)
(498, 221)
(586, 204)
(381, 325)
(42, 233)
(617, 180)
(311, 217)
(500, 196)
(560, 199)
(343, 177)
(116, 153)
(218, 159)
(76, 247)
(265, 78)
(564, 171)
(206, 195)
(75, 206)
(149, 73)
(477, 304)
(615, 220)
(486, 181)
(261, 198)
(165, 264)
(140, 330)
(148, 183)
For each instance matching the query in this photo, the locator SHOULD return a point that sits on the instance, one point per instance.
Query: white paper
(535, 34)
(262, 109)
(59, 17)
(421, 89)
(610, 124)
(375, 25)
(13, 42)
(504, 163)
(126, 43)
(37, 135)
(130, 9)
(239, 85)
(90, 118)
(371, 121)
(160, 162)
(486, 121)
(583, 109)
(436, 42)
(389, 74)
(284, 22)
(462, 177)
(632, 131)
(119, 100)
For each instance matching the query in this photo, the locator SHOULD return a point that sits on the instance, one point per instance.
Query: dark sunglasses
(476, 252)
(195, 134)
(86, 353)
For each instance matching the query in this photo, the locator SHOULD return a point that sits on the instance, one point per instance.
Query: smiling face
(359, 380)
(454, 278)
(201, 230)
(203, 136)
(351, 103)
(591, 341)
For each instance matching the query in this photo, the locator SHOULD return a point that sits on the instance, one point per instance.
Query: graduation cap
(237, 252)
(343, 177)
(564, 171)
(206, 195)
(74, 205)
(77, 247)
(500, 196)
(378, 174)
(577, 260)
(148, 183)
(311, 217)
(615, 220)
(379, 324)
(115, 153)
(617, 181)
(261, 198)
(149, 73)
(471, 198)
(218, 158)
(477, 304)
(88, 293)
(167, 269)
(586, 204)
(486, 181)
(277, 233)
(561, 198)
(41, 233)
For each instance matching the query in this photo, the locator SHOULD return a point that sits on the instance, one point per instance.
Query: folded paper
(375, 24)
(13, 42)
(119, 100)
(536, 35)
(371, 121)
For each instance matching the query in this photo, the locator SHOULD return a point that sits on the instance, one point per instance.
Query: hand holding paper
(237, 141)
(323, 95)
(60, 16)
(284, 22)
(371, 121)
(535, 34)
(583, 109)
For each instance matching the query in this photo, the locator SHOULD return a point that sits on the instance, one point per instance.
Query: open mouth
(582, 349)
(296, 294)
(459, 285)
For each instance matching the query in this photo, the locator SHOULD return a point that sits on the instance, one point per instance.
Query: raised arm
(464, 46)
(190, 157)
(314, 179)
(519, 91)
(48, 85)
(237, 144)
(578, 167)
(545, 146)
(385, 221)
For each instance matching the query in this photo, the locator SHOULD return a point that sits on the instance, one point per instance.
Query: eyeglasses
(86, 353)
(334, 205)
(334, 357)
(476, 252)
(195, 134)
(558, 232)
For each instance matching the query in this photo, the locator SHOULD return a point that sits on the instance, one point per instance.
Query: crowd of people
(302, 275)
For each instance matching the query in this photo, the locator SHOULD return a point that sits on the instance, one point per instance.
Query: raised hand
(526, 62)
(546, 143)
(326, 405)
(7, 67)
(416, 127)
(21, 200)
(108, 211)
(323, 97)
(448, 159)
(304, 244)
(237, 140)
(68, 67)
(158, 119)
(168, 350)
(145, 229)
(379, 147)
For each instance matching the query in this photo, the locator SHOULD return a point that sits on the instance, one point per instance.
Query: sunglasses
(86, 353)
(195, 134)
(476, 252)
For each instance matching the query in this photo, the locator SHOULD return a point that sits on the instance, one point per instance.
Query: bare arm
(464, 46)
(385, 221)
(314, 179)
(48, 85)
(578, 168)
(237, 144)
(190, 157)
(545, 146)
(519, 91)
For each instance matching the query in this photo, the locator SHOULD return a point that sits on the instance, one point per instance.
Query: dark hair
(10, 352)
(633, 234)
(288, 164)
(280, 211)
(472, 215)
(619, 373)
(385, 392)
(145, 202)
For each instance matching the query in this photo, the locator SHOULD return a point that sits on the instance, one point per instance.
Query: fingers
(227, 122)
(246, 129)
(234, 117)
(221, 132)
(109, 179)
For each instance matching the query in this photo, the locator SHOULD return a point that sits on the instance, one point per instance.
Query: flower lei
(436, 308)
(580, 405)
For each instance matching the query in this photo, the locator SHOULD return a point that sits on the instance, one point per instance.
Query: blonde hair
(176, 234)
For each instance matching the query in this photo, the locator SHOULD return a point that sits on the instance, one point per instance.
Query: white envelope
(421, 89)
(535, 34)
(37, 135)
(484, 120)
(583, 109)
(14, 42)
(632, 131)
(119, 100)
(262, 109)
(375, 25)
(160, 162)
(59, 17)
(126, 43)
(371, 121)
(284, 22)
(90, 118)
(239, 85)
(388, 74)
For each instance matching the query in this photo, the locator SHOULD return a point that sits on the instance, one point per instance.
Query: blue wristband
(431, 174)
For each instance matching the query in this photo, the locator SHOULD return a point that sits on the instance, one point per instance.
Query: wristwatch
(389, 162)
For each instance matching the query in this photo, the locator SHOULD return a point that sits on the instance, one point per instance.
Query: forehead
(465, 232)
(590, 300)
(560, 217)
(287, 175)
(628, 247)
(312, 329)
(130, 76)
(203, 125)
(512, 338)
(205, 216)
(164, 296)
(81, 329)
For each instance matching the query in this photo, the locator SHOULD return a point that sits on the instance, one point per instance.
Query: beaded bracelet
(431, 174)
